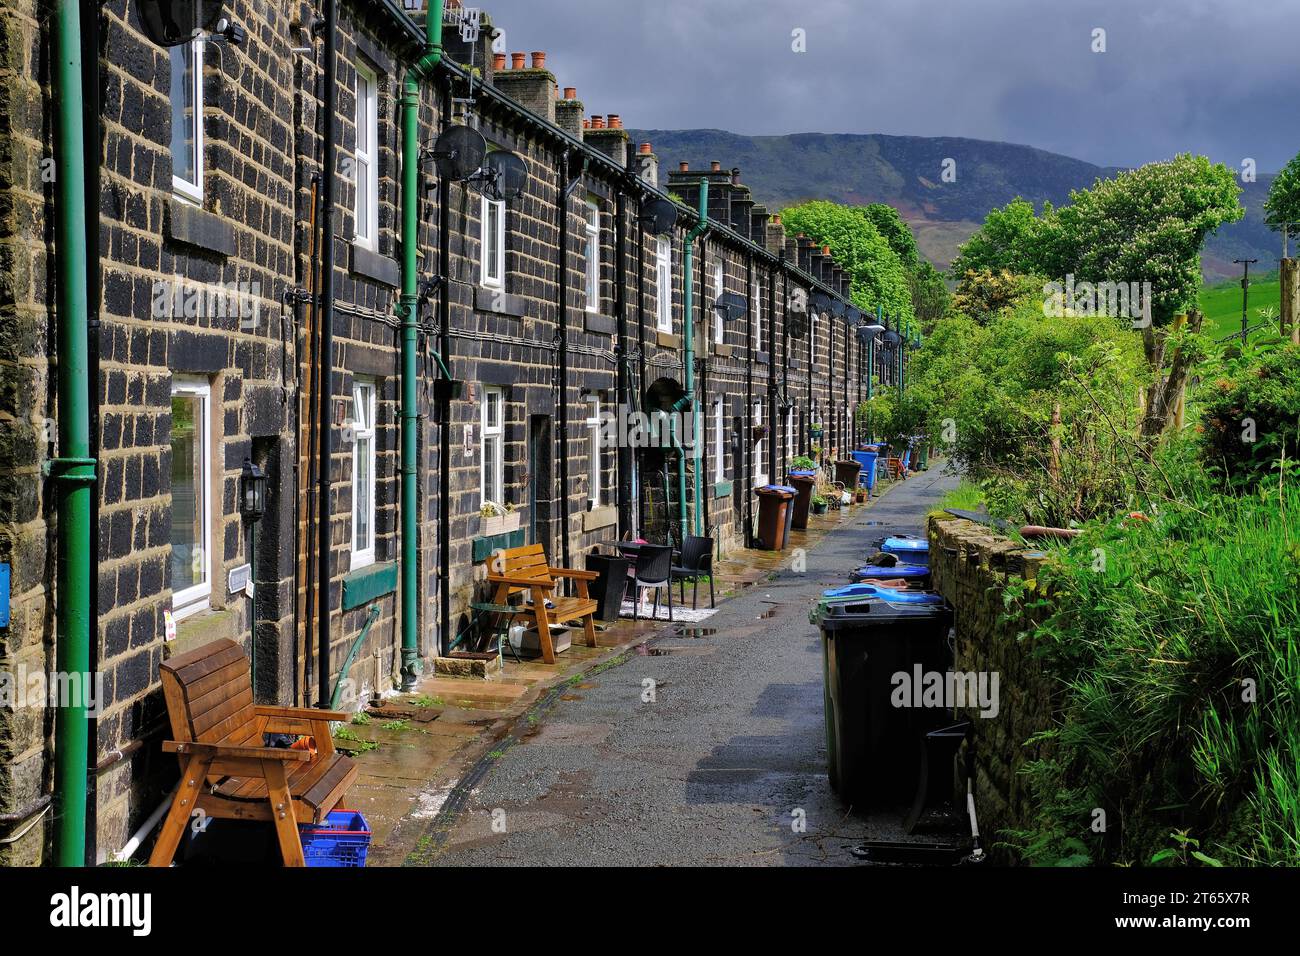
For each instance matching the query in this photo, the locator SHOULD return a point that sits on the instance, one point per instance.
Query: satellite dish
(892, 338)
(821, 302)
(507, 174)
(168, 22)
(731, 306)
(867, 332)
(459, 152)
(658, 215)
(838, 308)
(853, 314)
(797, 323)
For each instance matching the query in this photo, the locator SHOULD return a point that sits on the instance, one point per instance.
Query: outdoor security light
(252, 491)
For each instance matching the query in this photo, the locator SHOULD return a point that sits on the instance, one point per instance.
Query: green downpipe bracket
(73, 472)
(688, 401)
(409, 309)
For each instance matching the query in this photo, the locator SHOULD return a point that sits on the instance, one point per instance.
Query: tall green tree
(1282, 208)
(878, 276)
(896, 232)
(1012, 239)
(1148, 225)
(930, 297)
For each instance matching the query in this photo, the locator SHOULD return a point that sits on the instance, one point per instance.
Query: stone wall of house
(972, 567)
(249, 230)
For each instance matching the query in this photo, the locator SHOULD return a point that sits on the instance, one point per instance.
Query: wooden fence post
(1290, 313)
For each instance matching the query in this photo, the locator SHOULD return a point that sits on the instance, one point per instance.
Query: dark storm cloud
(1221, 78)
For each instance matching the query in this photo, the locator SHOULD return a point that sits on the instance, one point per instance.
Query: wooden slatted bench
(226, 771)
(524, 570)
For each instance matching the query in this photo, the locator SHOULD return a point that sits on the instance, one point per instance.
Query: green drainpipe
(688, 331)
(408, 310)
(73, 471)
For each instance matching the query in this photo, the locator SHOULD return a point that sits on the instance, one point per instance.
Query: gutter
(409, 312)
(688, 400)
(325, 379)
(73, 472)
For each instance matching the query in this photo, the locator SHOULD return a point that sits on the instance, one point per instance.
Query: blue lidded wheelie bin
(917, 575)
(867, 458)
(874, 731)
(907, 550)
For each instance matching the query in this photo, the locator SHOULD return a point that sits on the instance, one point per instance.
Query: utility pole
(1245, 293)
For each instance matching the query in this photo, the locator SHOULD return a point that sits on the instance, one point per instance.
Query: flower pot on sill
(498, 524)
(820, 509)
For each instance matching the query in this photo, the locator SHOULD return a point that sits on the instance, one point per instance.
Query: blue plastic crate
(344, 840)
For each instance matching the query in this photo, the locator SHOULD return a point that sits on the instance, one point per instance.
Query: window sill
(483, 546)
(724, 351)
(371, 265)
(598, 324)
(369, 583)
(494, 300)
(721, 489)
(597, 518)
(667, 340)
(188, 224)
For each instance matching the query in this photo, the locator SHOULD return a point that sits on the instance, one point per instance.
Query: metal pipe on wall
(73, 472)
(325, 378)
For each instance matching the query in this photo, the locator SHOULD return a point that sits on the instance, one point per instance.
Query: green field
(1221, 304)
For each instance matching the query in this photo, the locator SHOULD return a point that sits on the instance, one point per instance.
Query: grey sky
(1221, 78)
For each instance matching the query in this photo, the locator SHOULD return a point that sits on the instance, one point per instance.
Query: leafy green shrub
(1176, 655)
(987, 395)
(1251, 415)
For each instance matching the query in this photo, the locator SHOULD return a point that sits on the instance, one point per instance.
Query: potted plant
(819, 504)
(497, 519)
(759, 433)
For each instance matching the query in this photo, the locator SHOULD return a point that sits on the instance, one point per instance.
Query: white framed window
(186, 94)
(664, 284)
(364, 460)
(756, 315)
(789, 433)
(760, 449)
(492, 418)
(595, 469)
(366, 168)
(493, 246)
(719, 443)
(812, 339)
(191, 513)
(593, 256)
(719, 286)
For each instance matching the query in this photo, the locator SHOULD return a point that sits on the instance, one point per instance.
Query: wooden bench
(226, 771)
(524, 570)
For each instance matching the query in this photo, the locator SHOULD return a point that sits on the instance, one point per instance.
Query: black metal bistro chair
(654, 569)
(695, 560)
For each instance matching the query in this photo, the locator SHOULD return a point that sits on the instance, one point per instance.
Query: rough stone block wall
(971, 569)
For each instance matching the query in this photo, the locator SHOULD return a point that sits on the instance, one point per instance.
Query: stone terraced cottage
(209, 285)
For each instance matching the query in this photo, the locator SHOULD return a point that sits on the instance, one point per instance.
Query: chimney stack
(533, 89)
(568, 113)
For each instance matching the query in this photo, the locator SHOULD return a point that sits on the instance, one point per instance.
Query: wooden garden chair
(226, 771)
(524, 571)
